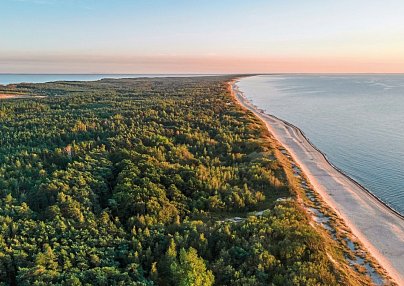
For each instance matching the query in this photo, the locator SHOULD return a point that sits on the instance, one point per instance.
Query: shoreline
(379, 227)
(368, 192)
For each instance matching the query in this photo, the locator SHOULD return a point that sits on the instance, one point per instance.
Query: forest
(135, 182)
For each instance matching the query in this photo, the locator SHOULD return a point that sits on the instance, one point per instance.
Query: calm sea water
(356, 120)
(41, 78)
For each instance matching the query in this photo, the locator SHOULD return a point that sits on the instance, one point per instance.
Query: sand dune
(9, 96)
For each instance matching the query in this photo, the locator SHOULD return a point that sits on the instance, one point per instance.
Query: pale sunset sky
(201, 36)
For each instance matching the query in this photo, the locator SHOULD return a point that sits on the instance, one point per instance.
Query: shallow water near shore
(356, 120)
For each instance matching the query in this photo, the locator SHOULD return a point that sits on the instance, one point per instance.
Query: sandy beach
(379, 228)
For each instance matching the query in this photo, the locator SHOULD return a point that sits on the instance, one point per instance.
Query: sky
(201, 36)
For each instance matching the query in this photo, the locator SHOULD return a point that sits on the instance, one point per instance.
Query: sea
(357, 120)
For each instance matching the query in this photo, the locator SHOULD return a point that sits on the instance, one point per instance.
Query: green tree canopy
(191, 270)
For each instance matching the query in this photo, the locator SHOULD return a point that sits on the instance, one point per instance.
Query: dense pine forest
(136, 182)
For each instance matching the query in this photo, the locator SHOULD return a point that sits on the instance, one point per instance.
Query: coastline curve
(365, 190)
(377, 225)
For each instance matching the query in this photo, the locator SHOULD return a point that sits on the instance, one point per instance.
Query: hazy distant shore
(6, 79)
(375, 224)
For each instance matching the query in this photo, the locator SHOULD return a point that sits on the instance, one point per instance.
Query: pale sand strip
(380, 229)
(10, 96)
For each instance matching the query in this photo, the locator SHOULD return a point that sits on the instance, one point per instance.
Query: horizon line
(194, 73)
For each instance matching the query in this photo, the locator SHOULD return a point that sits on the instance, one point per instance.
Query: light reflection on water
(357, 120)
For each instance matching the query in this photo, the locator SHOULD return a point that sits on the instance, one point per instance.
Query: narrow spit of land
(11, 96)
(380, 229)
